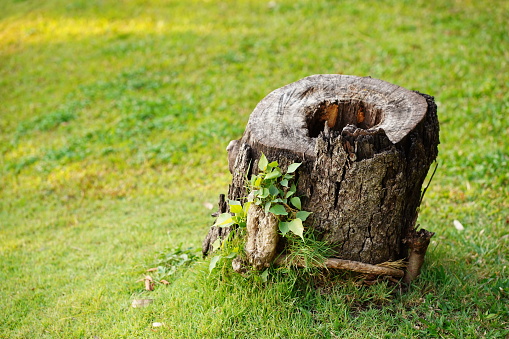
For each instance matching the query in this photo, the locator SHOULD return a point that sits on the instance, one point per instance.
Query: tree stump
(365, 146)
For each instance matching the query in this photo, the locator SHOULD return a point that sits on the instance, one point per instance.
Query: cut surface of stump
(365, 146)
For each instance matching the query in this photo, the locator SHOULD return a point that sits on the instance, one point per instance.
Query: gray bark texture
(365, 146)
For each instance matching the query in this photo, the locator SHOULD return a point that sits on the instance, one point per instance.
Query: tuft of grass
(114, 118)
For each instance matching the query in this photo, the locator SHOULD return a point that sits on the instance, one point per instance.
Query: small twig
(429, 183)
(290, 208)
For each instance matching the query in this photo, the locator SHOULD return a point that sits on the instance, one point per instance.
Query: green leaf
(272, 175)
(303, 215)
(296, 202)
(289, 194)
(258, 181)
(265, 275)
(213, 262)
(267, 206)
(216, 244)
(288, 176)
(231, 255)
(263, 162)
(235, 207)
(273, 190)
(283, 227)
(278, 210)
(296, 227)
(246, 207)
(293, 167)
(224, 220)
(293, 188)
(273, 164)
(264, 193)
(284, 183)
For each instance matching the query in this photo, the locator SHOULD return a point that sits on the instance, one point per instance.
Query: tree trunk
(365, 146)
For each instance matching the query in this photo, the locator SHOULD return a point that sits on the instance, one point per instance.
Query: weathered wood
(291, 117)
(354, 266)
(418, 242)
(366, 147)
(262, 237)
(240, 161)
(216, 232)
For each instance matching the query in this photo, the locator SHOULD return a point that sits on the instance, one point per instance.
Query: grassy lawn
(114, 117)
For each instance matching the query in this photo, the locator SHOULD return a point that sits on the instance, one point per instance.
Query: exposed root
(417, 242)
(354, 266)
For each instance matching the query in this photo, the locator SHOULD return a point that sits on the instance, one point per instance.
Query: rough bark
(366, 147)
(216, 232)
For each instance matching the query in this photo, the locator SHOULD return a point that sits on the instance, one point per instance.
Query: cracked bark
(366, 146)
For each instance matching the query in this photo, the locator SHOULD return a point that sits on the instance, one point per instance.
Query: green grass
(114, 117)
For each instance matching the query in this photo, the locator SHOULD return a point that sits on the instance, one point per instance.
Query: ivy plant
(275, 192)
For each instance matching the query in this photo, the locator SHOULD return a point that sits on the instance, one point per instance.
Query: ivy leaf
(296, 227)
(264, 193)
(246, 207)
(236, 207)
(283, 227)
(213, 263)
(272, 175)
(273, 190)
(293, 167)
(302, 215)
(278, 210)
(257, 181)
(216, 244)
(224, 220)
(267, 207)
(284, 183)
(265, 275)
(231, 255)
(288, 176)
(263, 162)
(289, 194)
(273, 164)
(296, 202)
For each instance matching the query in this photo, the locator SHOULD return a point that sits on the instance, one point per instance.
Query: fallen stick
(349, 265)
